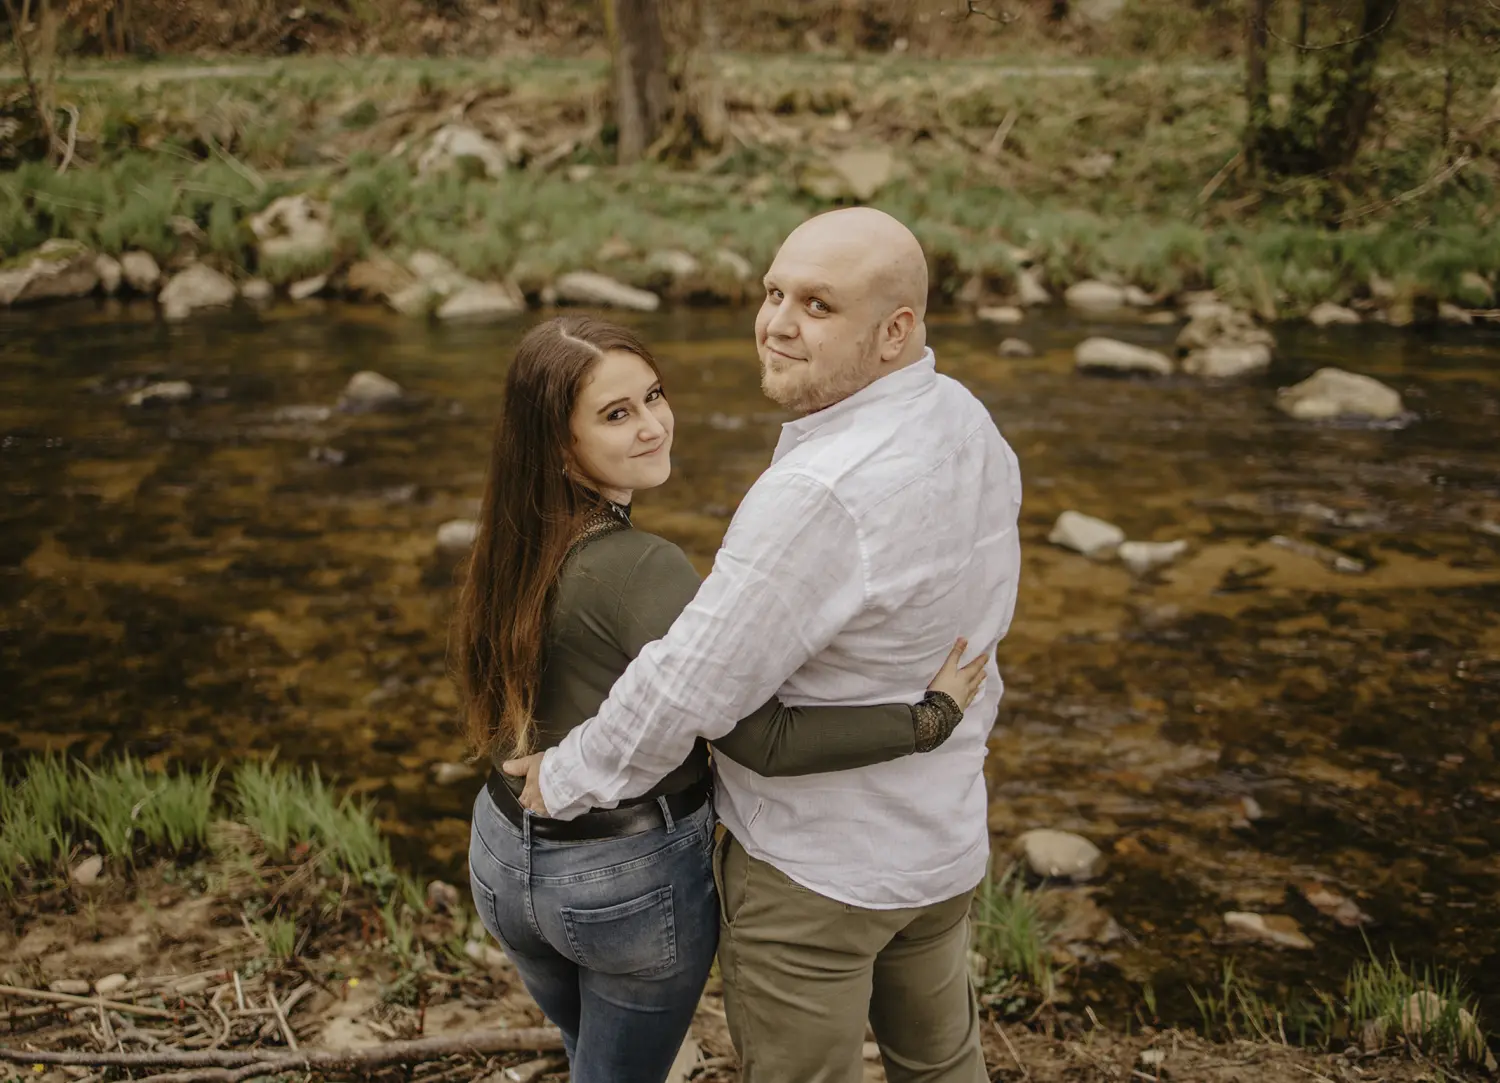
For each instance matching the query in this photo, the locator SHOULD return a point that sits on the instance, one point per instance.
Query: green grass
(1429, 1008)
(129, 813)
(1008, 932)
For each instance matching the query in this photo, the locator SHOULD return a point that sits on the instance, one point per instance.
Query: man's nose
(783, 323)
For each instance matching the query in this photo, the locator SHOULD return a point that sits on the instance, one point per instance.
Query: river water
(242, 574)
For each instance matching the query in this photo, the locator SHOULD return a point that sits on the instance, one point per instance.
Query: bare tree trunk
(639, 51)
(1257, 88)
(1447, 69)
(41, 97)
(1302, 14)
(1352, 91)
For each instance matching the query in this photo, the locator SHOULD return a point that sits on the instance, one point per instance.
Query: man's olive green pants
(802, 973)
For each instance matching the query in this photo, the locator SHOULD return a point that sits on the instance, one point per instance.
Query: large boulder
(1111, 355)
(589, 288)
(1092, 295)
(57, 269)
(199, 286)
(1334, 393)
(293, 228)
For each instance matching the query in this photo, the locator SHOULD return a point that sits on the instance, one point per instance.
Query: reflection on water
(234, 575)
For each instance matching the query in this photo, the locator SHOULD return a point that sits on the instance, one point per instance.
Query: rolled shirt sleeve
(789, 576)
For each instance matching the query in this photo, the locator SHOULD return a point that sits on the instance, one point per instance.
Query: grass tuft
(1009, 934)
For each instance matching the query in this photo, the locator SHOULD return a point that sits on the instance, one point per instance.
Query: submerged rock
(58, 269)
(1276, 929)
(307, 288)
(589, 288)
(1448, 312)
(1111, 355)
(166, 392)
(1093, 295)
(445, 774)
(1060, 855)
(1085, 534)
(369, 391)
(1331, 904)
(1333, 393)
(199, 286)
(1329, 314)
(257, 291)
(1142, 557)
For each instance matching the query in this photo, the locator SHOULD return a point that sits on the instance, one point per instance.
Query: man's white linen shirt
(884, 528)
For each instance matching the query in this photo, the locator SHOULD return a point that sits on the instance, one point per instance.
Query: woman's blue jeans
(613, 937)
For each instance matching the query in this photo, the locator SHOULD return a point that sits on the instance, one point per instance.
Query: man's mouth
(783, 356)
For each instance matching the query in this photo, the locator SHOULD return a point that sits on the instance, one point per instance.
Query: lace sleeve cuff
(934, 719)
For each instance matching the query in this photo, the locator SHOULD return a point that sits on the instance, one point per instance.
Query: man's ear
(898, 328)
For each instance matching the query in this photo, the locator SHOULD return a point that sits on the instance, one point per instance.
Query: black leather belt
(633, 818)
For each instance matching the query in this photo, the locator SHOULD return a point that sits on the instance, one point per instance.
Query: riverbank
(324, 177)
(257, 912)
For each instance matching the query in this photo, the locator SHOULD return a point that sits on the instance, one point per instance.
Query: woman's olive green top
(622, 589)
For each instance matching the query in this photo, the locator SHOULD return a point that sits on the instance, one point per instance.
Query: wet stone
(1060, 855)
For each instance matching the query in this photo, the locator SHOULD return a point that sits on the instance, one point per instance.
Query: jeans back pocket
(636, 938)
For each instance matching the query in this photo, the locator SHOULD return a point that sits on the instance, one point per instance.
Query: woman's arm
(781, 740)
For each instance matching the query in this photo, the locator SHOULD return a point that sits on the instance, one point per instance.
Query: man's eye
(774, 294)
(817, 306)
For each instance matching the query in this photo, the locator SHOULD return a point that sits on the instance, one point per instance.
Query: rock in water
(481, 302)
(1276, 929)
(1061, 855)
(307, 288)
(1085, 534)
(589, 288)
(457, 535)
(161, 394)
(1110, 355)
(1015, 347)
(369, 391)
(110, 274)
(1093, 295)
(140, 271)
(197, 287)
(1000, 314)
(1142, 557)
(1332, 393)
(257, 291)
(57, 269)
(1329, 314)
(1223, 361)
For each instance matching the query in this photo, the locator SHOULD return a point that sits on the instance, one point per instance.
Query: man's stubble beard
(804, 397)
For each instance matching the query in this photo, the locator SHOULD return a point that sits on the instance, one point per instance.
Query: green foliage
(1430, 1009)
(1009, 934)
(279, 935)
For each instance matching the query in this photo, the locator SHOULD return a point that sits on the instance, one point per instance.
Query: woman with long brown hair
(612, 918)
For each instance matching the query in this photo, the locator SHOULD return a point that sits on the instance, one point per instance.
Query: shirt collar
(899, 384)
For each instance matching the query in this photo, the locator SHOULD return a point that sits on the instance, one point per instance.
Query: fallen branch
(267, 1062)
(86, 1002)
(1441, 177)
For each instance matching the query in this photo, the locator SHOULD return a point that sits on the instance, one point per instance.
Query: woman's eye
(617, 415)
(656, 393)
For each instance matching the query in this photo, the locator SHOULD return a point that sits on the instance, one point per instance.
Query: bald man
(884, 526)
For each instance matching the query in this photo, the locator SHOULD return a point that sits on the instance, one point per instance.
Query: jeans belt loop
(666, 812)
